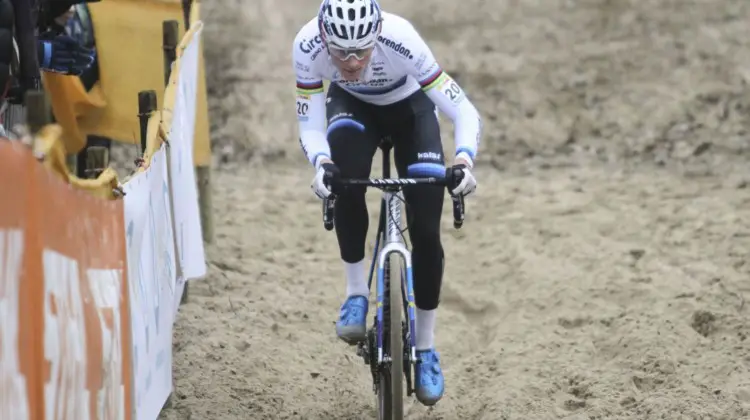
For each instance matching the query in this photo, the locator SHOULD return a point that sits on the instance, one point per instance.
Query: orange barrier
(65, 339)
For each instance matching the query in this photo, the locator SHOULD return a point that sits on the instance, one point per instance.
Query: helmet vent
(364, 32)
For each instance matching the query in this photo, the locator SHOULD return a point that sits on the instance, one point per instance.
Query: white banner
(152, 273)
(184, 189)
(13, 382)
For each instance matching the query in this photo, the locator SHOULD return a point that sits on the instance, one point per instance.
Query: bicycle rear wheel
(391, 382)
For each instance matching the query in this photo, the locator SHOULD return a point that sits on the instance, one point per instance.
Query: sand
(603, 268)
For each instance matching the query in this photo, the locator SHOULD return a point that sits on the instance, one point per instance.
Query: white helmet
(350, 24)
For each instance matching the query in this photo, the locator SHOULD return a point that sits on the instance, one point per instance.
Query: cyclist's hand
(462, 181)
(327, 171)
(63, 54)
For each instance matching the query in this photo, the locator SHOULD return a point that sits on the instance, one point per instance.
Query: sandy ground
(602, 271)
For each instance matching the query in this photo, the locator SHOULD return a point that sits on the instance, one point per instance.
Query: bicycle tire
(391, 389)
(396, 345)
(385, 406)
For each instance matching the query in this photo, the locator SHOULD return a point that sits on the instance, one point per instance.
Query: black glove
(321, 184)
(331, 172)
(63, 54)
(460, 180)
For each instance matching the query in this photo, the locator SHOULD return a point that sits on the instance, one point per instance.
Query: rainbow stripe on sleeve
(433, 79)
(309, 88)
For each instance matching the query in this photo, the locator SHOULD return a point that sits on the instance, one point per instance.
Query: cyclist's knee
(349, 150)
(342, 132)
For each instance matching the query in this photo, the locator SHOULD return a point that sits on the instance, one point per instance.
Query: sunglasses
(343, 54)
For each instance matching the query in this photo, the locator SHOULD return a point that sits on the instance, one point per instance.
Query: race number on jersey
(450, 89)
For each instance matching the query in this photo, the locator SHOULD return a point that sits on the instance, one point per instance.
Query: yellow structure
(49, 146)
(129, 49)
(74, 108)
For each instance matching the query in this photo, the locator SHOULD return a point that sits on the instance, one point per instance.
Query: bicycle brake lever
(454, 177)
(328, 206)
(458, 211)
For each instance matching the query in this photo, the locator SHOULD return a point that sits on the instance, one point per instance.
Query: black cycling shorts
(355, 130)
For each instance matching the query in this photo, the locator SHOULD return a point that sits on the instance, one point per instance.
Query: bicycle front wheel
(391, 389)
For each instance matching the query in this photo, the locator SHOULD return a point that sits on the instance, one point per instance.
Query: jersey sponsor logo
(316, 53)
(420, 60)
(301, 66)
(378, 71)
(378, 82)
(398, 47)
(429, 156)
(373, 86)
(340, 115)
(378, 68)
(369, 83)
(433, 69)
(308, 45)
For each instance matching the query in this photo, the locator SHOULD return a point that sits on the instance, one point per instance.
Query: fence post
(37, 110)
(97, 160)
(186, 5)
(205, 204)
(146, 107)
(170, 33)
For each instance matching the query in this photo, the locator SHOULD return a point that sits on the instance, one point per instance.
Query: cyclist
(385, 83)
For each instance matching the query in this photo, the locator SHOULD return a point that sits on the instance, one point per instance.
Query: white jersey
(401, 64)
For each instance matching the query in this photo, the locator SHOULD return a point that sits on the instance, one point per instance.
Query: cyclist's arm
(449, 98)
(311, 109)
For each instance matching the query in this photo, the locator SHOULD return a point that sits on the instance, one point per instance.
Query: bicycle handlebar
(392, 184)
(386, 182)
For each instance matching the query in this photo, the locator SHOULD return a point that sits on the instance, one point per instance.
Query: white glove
(325, 170)
(468, 183)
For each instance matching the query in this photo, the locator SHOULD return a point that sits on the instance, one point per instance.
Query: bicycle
(383, 342)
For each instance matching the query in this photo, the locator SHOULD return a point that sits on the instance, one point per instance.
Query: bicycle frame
(394, 244)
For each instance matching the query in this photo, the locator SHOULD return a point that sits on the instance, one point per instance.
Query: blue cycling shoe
(428, 381)
(351, 324)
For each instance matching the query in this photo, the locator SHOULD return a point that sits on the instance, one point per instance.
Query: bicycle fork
(394, 244)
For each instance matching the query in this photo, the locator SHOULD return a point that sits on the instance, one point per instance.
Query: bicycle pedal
(363, 353)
